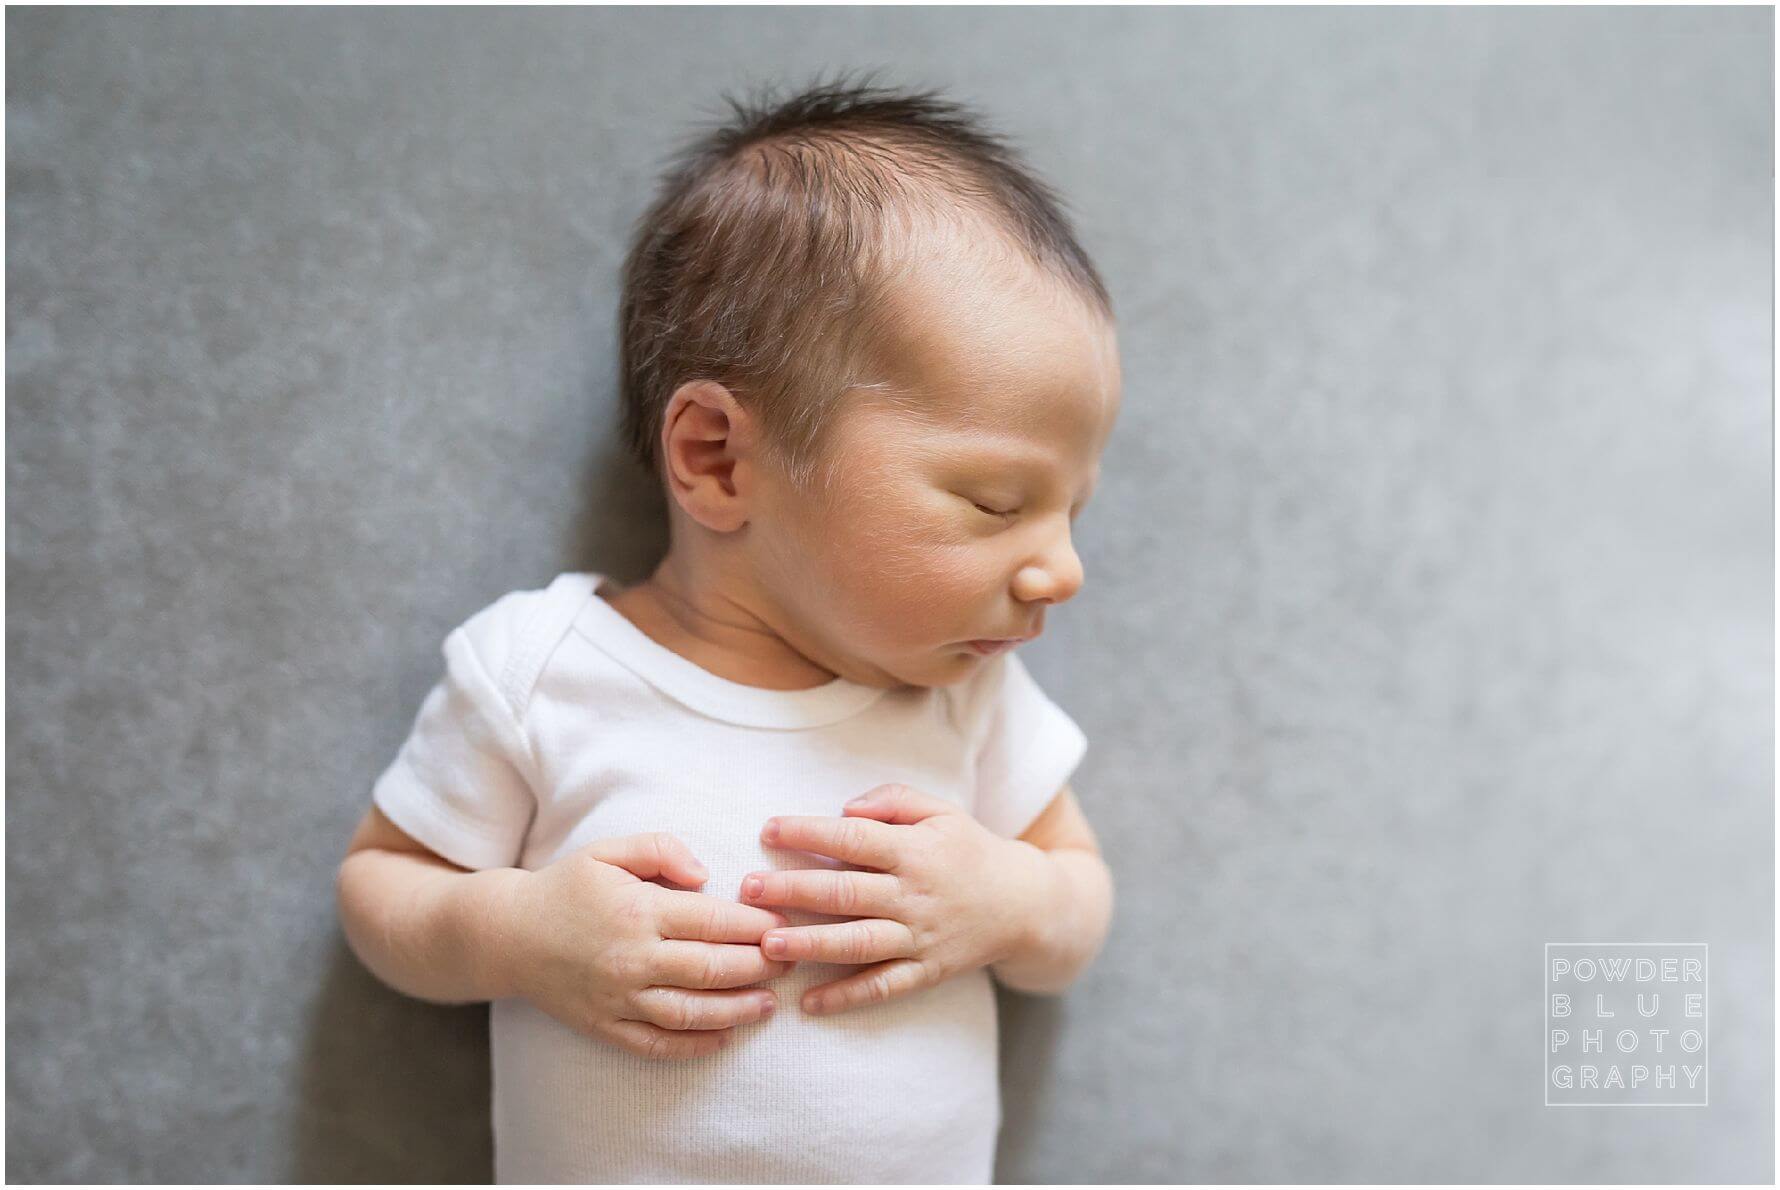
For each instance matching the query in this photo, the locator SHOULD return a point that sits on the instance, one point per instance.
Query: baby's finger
(872, 985)
(710, 965)
(869, 940)
(824, 890)
(852, 840)
(703, 918)
(649, 856)
(677, 1008)
(652, 1041)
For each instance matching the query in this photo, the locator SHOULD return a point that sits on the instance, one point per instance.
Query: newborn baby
(734, 851)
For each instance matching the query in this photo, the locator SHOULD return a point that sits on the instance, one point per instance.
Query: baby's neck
(718, 635)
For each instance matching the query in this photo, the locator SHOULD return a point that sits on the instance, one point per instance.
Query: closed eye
(994, 511)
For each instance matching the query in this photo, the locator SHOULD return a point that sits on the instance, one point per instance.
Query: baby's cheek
(892, 589)
(908, 560)
(954, 572)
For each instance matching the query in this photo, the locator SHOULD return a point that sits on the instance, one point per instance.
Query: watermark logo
(1625, 1024)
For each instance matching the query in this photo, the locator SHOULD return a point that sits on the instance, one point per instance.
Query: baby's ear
(705, 432)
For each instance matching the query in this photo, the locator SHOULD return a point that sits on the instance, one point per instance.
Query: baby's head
(875, 372)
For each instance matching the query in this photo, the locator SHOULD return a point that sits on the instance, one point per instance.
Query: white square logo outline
(1705, 1024)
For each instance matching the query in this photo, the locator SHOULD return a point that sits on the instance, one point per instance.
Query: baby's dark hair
(765, 259)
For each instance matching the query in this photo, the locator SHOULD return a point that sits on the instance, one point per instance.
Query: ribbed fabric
(558, 722)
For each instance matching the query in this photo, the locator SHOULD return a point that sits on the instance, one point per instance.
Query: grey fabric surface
(1428, 614)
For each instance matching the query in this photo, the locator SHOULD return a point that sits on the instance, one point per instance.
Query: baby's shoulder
(514, 636)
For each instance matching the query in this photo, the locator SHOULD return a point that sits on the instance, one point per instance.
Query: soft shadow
(1030, 1026)
(392, 1089)
(621, 528)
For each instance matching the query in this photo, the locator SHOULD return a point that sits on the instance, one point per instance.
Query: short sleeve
(1026, 746)
(459, 783)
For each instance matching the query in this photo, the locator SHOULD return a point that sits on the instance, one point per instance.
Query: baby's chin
(945, 665)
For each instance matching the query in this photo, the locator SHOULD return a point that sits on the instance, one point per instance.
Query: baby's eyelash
(995, 512)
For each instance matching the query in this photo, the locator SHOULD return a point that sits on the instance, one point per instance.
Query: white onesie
(558, 722)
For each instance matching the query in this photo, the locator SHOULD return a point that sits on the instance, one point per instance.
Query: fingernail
(858, 801)
(775, 944)
(766, 1006)
(771, 831)
(753, 886)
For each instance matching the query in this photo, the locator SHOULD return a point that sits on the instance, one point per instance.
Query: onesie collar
(698, 688)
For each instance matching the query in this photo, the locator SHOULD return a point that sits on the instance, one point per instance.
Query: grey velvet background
(1430, 581)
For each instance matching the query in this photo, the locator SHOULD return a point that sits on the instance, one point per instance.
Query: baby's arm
(1070, 926)
(420, 923)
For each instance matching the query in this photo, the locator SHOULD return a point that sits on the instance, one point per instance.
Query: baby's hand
(608, 953)
(949, 895)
